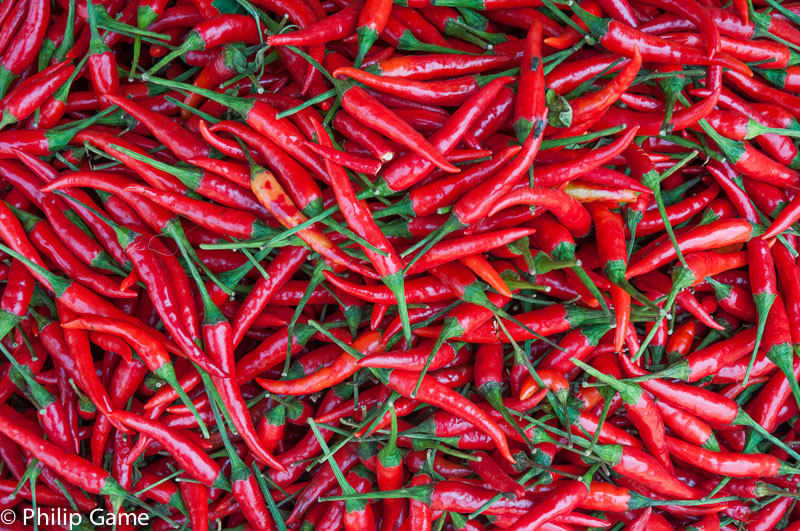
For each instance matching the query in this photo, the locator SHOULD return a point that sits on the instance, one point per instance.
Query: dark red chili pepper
(678, 213)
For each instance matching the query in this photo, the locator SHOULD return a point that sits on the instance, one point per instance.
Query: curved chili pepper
(410, 169)
(621, 39)
(566, 497)
(711, 236)
(185, 144)
(728, 463)
(76, 470)
(191, 457)
(652, 222)
(214, 31)
(436, 394)
(333, 27)
(568, 211)
(358, 216)
(270, 193)
(23, 48)
(450, 250)
(345, 366)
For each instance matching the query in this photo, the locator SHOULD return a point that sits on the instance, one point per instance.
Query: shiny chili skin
(23, 48)
(705, 404)
(410, 169)
(191, 457)
(711, 236)
(727, 463)
(76, 470)
(270, 193)
(566, 497)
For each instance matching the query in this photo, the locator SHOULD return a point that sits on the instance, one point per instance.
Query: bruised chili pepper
(270, 193)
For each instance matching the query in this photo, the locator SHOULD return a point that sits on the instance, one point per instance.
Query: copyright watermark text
(57, 516)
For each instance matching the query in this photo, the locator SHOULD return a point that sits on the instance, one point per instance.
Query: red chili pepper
(331, 28)
(410, 169)
(270, 193)
(700, 402)
(566, 497)
(215, 30)
(688, 427)
(195, 498)
(718, 234)
(22, 50)
(569, 212)
(643, 413)
(76, 470)
(47, 241)
(728, 463)
(621, 39)
(192, 458)
(183, 143)
(341, 369)
(31, 94)
(678, 213)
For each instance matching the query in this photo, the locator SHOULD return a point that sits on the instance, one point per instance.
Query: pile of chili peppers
(424, 265)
